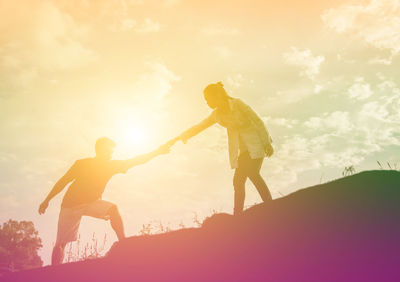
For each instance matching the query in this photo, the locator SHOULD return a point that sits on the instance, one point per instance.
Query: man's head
(104, 148)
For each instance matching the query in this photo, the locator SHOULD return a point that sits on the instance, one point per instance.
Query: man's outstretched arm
(142, 159)
(58, 187)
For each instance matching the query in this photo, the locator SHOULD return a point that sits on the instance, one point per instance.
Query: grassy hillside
(344, 230)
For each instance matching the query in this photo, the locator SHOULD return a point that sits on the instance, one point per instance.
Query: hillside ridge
(345, 229)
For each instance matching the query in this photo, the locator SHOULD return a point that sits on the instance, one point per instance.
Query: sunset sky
(322, 74)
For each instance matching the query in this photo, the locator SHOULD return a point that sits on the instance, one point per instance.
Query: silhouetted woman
(248, 139)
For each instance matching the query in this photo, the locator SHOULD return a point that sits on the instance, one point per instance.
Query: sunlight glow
(131, 132)
(135, 135)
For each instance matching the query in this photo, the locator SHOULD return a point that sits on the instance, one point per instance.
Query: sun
(135, 135)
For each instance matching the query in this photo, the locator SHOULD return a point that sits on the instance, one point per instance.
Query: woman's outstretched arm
(194, 130)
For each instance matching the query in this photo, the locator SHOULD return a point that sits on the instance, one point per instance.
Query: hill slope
(345, 230)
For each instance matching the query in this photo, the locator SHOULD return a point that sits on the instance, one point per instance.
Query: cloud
(237, 80)
(385, 108)
(219, 31)
(281, 122)
(165, 3)
(161, 77)
(293, 155)
(381, 61)
(223, 52)
(304, 59)
(154, 84)
(297, 154)
(5, 157)
(9, 202)
(48, 40)
(360, 90)
(135, 2)
(145, 26)
(148, 25)
(128, 24)
(56, 40)
(376, 22)
(337, 122)
(345, 157)
(170, 3)
(335, 139)
(341, 19)
(374, 110)
(293, 95)
(318, 88)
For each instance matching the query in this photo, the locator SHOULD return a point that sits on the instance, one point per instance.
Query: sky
(322, 75)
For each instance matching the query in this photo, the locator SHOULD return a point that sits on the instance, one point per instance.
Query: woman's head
(215, 95)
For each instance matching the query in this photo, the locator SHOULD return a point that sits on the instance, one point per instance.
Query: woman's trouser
(248, 168)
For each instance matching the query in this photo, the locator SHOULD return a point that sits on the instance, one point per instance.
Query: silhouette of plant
(91, 249)
(163, 228)
(348, 170)
(196, 220)
(146, 229)
(158, 227)
(320, 179)
(391, 166)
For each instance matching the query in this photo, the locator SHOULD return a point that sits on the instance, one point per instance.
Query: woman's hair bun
(214, 87)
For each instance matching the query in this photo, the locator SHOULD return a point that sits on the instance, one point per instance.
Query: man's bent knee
(113, 211)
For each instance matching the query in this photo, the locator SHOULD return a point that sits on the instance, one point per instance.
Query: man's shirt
(90, 176)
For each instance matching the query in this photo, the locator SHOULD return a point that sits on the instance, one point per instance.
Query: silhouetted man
(83, 197)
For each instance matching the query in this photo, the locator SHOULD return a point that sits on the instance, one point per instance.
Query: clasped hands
(166, 148)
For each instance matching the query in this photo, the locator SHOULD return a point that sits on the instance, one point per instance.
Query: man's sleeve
(71, 173)
(119, 166)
